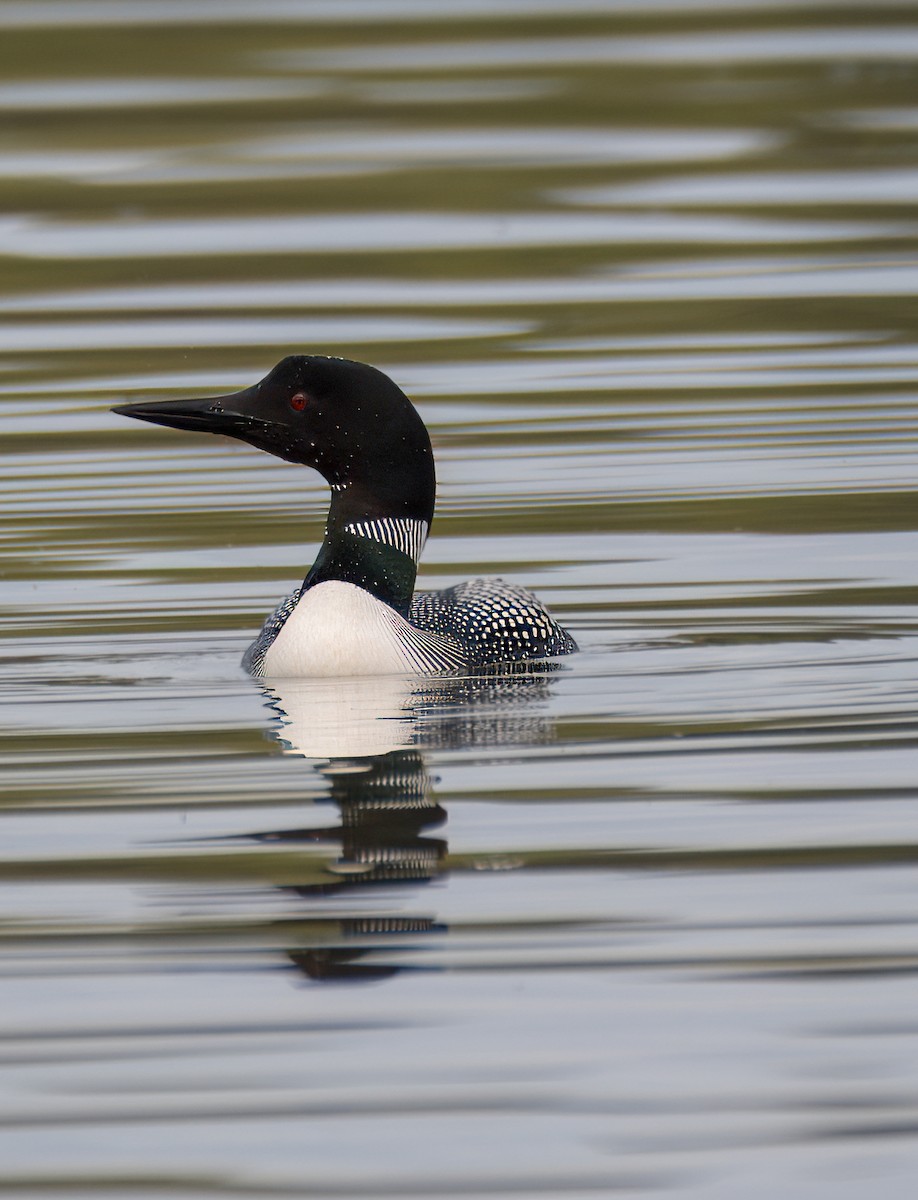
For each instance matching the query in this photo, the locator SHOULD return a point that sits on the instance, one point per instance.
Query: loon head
(346, 419)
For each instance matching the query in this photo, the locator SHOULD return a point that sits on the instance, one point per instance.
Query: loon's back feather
(493, 621)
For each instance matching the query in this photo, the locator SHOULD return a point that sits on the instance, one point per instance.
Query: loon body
(356, 612)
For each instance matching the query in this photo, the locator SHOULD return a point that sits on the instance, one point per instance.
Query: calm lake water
(643, 924)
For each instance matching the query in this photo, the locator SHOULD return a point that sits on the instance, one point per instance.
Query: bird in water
(357, 612)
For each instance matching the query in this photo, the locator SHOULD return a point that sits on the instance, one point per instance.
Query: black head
(346, 419)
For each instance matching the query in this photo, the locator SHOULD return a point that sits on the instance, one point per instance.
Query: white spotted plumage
(492, 620)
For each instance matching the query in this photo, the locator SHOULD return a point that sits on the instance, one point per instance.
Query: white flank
(406, 535)
(339, 629)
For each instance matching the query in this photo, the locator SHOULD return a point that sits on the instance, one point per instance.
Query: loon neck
(375, 550)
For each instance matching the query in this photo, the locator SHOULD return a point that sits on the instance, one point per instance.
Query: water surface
(642, 924)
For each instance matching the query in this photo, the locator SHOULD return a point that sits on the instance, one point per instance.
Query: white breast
(339, 629)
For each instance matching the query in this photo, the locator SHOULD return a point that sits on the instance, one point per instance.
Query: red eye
(298, 401)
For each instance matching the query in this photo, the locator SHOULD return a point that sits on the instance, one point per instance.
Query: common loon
(356, 613)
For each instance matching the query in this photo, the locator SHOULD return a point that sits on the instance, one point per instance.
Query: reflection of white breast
(341, 718)
(339, 629)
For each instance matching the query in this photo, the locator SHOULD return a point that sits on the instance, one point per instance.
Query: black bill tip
(208, 416)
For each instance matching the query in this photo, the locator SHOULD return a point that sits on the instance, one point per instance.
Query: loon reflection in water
(357, 612)
(370, 739)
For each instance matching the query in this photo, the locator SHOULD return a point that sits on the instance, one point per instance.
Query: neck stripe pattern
(402, 533)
